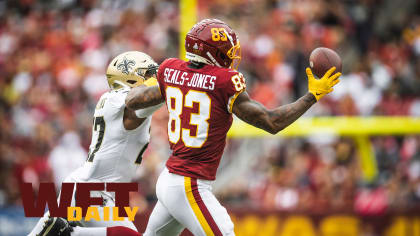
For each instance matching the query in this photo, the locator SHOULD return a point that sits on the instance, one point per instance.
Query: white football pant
(185, 202)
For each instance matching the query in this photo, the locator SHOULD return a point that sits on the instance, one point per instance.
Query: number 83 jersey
(114, 153)
(199, 103)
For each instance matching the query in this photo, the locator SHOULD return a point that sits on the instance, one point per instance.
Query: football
(322, 59)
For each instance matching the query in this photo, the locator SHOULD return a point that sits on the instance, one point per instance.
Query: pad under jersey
(199, 103)
(114, 153)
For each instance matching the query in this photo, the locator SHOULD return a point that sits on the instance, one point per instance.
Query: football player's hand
(320, 87)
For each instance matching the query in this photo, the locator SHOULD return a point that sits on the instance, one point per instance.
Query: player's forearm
(274, 120)
(143, 97)
(283, 116)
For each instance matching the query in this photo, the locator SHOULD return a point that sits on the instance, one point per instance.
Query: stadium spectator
(53, 56)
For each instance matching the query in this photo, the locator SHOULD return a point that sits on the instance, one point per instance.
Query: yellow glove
(320, 87)
(150, 82)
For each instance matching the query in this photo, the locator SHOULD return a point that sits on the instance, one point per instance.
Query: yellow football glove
(320, 87)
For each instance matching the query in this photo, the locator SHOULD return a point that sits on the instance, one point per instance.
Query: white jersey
(114, 153)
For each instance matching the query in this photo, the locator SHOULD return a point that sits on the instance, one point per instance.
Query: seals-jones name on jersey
(196, 80)
(114, 152)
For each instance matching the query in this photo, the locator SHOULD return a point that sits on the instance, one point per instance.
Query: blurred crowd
(306, 175)
(53, 55)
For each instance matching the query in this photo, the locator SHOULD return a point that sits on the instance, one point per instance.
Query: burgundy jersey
(199, 103)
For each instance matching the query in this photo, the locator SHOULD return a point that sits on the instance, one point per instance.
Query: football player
(119, 138)
(201, 96)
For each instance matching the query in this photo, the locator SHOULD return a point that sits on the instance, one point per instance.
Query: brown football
(322, 59)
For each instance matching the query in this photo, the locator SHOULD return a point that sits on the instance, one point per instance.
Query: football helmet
(212, 41)
(130, 69)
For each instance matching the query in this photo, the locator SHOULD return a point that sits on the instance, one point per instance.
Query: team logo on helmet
(126, 66)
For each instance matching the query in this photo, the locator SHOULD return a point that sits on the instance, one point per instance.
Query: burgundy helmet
(212, 41)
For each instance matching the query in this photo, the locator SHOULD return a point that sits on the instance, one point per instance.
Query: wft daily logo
(85, 205)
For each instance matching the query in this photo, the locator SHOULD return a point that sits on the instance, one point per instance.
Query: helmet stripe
(229, 37)
(213, 60)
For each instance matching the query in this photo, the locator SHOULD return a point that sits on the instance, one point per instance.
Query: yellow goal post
(187, 18)
(337, 125)
(359, 128)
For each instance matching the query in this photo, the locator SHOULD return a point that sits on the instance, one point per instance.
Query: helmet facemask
(148, 72)
(235, 55)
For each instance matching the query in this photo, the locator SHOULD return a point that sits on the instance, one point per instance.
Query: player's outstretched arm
(272, 121)
(279, 118)
(142, 97)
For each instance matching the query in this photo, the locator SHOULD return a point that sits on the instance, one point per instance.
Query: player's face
(151, 74)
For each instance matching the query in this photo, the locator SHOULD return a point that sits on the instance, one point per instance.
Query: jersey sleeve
(117, 98)
(161, 76)
(233, 85)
